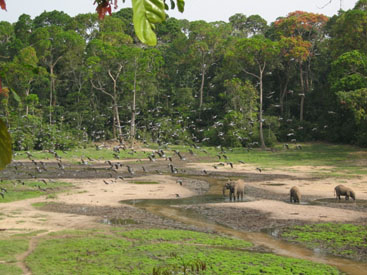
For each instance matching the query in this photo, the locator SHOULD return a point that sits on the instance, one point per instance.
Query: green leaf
(147, 13)
(16, 96)
(5, 146)
(181, 5)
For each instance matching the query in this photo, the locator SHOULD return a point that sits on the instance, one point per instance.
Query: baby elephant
(236, 189)
(295, 195)
(342, 190)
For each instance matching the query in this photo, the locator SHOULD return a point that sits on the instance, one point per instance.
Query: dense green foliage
(70, 80)
(158, 252)
(346, 240)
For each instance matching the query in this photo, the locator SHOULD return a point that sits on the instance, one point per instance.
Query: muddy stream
(170, 209)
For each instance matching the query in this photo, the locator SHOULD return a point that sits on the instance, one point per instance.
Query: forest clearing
(132, 142)
(96, 197)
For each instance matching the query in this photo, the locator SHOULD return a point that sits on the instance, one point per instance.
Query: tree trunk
(302, 93)
(51, 91)
(133, 112)
(202, 86)
(26, 104)
(261, 110)
(283, 93)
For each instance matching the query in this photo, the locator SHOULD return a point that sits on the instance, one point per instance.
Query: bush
(32, 133)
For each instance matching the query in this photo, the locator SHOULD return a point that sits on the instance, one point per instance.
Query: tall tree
(254, 56)
(311, 28)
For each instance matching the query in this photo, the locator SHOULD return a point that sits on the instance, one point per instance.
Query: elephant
(342, 190)
(236, 189)
(295, 195)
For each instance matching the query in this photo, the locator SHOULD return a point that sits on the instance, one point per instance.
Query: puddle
(360, 203)
(169, 209)
(273, 184)
(117, 221)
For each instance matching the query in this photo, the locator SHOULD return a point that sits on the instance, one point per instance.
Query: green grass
(10, 269)
(30, 190)
(76, 154)
(344, 158)
(10, 248)
(338, 239)
(161, 251)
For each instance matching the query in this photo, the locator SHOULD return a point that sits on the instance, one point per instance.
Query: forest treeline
(69, 80)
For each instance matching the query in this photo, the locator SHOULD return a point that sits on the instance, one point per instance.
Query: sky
(208, 10)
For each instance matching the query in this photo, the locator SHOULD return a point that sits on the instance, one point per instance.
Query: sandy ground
(21, 215)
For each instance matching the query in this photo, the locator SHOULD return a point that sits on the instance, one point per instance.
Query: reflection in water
(169, 209)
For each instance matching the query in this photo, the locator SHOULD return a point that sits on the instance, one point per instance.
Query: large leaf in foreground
(147, 13)
(5, 146)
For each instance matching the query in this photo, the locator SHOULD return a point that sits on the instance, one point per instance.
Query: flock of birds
(112, 170)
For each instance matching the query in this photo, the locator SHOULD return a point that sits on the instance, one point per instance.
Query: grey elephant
(236, 189)
(295, 194)
(342, 190)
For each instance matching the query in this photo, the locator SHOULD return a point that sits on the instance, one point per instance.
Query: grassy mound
(158, 251)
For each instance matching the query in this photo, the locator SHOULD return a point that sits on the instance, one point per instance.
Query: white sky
(208, 10)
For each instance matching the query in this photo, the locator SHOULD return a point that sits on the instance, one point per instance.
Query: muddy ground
(103, 196)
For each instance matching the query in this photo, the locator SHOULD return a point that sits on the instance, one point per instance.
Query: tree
(106, 64)
(22, 71)
(309, 27)
(52, 45)
(254, 56)
(205, 41)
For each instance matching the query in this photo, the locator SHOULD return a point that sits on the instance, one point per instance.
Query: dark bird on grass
(90, 159)
(299, 147)
(225, 156)
(151, 158)
(230, 164)
(120, 177)
(219, 157)
(83, 162)
(179, 181)
(215, 167)
(3, 190)
(204, 171)
(240, 161)
(258, 169)
(177, 195)
(116, 156)
(109, 163)
(106, 182)
(173, 169)
(286, 146)
(130, 170)
(61, 166)
(44, 181)
(180, 156)
(42, 189)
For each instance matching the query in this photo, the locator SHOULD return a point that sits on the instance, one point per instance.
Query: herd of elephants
(237, 189)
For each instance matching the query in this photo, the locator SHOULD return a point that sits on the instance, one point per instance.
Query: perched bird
(130, 170)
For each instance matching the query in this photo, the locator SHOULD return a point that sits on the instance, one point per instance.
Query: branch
(100, 89)
(254, 75)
